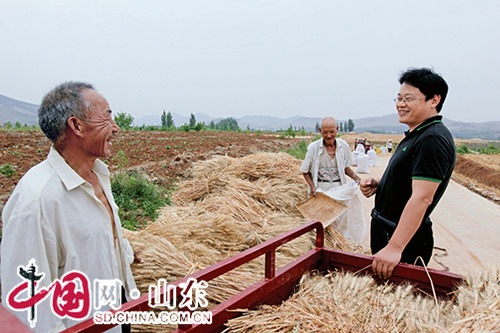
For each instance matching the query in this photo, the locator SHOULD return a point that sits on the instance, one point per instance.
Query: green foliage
(199, 126)
(289, 133)
(124, 120)
(463, 149)
(164, 119)
(138, 199)
(7, 170)
(184, 128)
(170, 120)
(121, 159)
(18, 127)
(350, 125)
(192, 121)
(299, 150)
(487, 150)
(227, 124)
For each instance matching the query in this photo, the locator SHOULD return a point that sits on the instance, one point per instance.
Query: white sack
(363, 161)
(351, 224)
(372, 157)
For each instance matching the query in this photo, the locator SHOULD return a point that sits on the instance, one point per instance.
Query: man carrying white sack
(328, 161)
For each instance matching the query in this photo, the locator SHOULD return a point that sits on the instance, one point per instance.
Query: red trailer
(278, 285)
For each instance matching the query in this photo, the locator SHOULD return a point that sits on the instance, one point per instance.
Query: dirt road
(466, 226)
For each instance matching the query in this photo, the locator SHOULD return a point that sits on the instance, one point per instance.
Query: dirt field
(163, 155)
(167, 155)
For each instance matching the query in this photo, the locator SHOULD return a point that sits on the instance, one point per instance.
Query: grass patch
(488, 150)
(138, 199)
(299, 150)
(7, 170)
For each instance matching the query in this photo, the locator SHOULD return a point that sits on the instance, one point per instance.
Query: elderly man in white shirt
(62, 213)
(328, 160)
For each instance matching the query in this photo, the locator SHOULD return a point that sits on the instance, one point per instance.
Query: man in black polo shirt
(415, 178)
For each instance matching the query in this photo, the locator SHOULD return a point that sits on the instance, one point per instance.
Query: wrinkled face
(100, 128)
(329, 132)
(412, 107)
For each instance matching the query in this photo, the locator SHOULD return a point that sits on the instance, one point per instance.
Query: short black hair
(427, 81)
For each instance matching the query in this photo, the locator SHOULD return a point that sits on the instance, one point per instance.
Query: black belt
(380, 218)
(328, 181)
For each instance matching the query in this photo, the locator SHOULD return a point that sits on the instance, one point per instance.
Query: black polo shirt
(428, 153)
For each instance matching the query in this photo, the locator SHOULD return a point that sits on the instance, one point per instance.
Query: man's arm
(350, 172)
(386, 259)
(309, 180)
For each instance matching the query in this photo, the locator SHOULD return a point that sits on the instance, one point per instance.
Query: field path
(466, 226)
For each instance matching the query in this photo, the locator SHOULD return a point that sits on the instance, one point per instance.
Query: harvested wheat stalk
(343, 302)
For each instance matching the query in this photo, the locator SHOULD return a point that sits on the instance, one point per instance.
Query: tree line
(347, 126)
(125, 121)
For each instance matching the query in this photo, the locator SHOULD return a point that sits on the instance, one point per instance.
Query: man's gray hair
(64, 101)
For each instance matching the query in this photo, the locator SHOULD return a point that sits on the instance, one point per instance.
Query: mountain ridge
(12, 110)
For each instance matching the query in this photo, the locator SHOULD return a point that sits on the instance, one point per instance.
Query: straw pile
(227, 206)
(342, 302)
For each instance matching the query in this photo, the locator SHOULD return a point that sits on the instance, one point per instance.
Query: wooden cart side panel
(266, 291)
(443, 282)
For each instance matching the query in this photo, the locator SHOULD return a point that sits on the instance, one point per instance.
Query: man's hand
(312, 191)
(368, 186)
(137, 259)
(384, 261)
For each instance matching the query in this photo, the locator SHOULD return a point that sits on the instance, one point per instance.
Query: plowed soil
(166, 156)
(163, 155)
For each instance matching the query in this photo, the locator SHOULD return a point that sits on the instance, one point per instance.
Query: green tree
(227, 124)
(170, 120)
(341, 127)
(350, 125)
(164, 119)
(124, 120)
(316, 127)
(199, 126)
(192, 121)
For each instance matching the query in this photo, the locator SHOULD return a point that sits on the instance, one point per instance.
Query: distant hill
(13, 110)
(389, 124)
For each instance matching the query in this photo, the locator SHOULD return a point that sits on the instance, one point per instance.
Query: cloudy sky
(231, 58)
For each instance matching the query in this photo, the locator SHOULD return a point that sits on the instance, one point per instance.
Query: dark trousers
(420, 245)
(126, 328)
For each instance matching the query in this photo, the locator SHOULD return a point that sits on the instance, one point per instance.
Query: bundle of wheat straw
(334, 240)
(268, 165)
(228, 206)
(478, 302)
(196, 189)
(281, 194)
(343, 302)
(212, 168)
(160, 260)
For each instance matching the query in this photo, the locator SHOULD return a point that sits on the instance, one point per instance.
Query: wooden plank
(443, 282)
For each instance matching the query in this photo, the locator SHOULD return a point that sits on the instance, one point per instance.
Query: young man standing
(416, 177)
